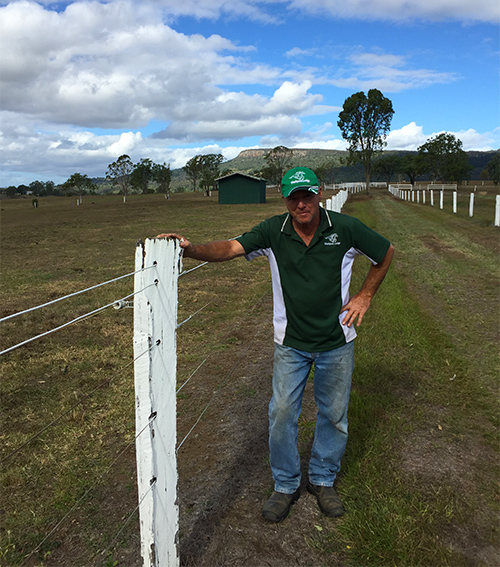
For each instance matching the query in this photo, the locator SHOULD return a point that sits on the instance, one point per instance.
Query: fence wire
(73, 321)
(72, 295)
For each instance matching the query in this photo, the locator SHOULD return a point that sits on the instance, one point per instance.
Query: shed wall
(241, 190)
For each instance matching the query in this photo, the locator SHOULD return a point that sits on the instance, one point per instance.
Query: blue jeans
(332, 386)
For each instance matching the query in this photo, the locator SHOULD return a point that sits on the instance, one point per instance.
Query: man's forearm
(217, 251)
(377, 274)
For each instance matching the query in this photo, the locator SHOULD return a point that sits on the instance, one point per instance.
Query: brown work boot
(278, 506)
(328, 499)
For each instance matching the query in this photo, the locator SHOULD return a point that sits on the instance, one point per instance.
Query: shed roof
(241, 174)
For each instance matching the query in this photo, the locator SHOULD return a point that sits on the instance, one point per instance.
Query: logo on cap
(299, 177)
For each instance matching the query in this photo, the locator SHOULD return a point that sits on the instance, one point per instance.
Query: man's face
(303, 205)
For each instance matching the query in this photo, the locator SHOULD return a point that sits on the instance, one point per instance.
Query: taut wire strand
(192, 269)
(196, 312)
(73, 294)
(192, 374)
(80, 318)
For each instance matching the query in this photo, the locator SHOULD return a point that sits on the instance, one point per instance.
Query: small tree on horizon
(277, 162)
(119, 173)
(163, 176)
(443, 158)
(79, 183)
(193, 170)
(209, 172)
(365, 122)
(386, 166)
(142, 175)
(492, 169)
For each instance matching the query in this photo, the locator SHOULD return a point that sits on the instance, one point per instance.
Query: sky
(82, 83)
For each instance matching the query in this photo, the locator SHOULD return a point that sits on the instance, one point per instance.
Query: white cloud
(110, 65)
(238, 115)
(375, 10)
(395, 10)
(411, 136)
(473, 140)
(408, 137)
(388, 73)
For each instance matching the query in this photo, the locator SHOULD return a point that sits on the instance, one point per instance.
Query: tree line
(364, 122)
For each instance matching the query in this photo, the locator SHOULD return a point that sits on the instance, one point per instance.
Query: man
(311, 252)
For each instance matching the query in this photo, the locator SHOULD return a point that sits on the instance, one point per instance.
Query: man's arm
(217, 251)
(358, 305)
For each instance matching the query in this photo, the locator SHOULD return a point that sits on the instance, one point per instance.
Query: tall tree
(142, 175)
(163, 176)
(365, 122)
(443, 158)
(277, 162)
(119, 173)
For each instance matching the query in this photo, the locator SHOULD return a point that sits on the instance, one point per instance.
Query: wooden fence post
(471, 205)
(155, 323)
(497, 210)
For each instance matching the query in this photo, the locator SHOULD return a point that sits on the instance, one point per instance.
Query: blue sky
(85, 82)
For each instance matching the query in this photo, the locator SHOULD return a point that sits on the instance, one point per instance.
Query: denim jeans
(332, 386)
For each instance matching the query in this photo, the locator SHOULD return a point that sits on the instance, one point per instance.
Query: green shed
(240, 188)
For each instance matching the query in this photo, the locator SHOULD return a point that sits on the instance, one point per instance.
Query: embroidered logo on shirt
(332, 240)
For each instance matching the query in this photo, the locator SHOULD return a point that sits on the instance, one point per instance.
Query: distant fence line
(408, 192)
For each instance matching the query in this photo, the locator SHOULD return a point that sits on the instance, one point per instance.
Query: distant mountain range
(252, 161)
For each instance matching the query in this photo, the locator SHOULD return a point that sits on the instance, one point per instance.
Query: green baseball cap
(299, 178)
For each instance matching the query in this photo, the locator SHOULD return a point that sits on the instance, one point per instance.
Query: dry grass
(419, 475)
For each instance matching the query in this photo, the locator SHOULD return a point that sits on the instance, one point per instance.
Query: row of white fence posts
(338, 200)
(407, 192)
(155, 356)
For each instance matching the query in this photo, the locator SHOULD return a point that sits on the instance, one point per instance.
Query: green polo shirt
(311, 283)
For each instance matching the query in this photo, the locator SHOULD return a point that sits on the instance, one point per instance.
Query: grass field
(420, 476)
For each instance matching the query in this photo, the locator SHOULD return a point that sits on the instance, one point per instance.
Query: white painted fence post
(497, 210)
(423, 197)
(441, 199)
(155, 323)
(455, 201)
(432, 197)
(471, 205)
